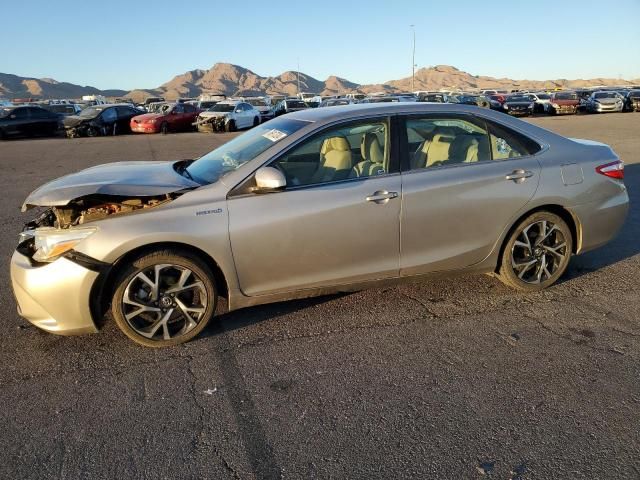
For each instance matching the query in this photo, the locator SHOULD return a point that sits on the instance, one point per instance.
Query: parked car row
(215, 113)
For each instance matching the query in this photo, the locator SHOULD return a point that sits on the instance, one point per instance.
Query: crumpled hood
(207, 114)
(136, 179)
(74, 120)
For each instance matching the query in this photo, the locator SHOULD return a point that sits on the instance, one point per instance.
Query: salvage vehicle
(467, 99)
(336, 102)
(632, 101)
(289, 105)
(601, 102)
(562, 103)
(313, 202)
(263, 106)
(172, 117)
(228, 116)
(518, 105)
(540, 101)
(28, 121)
(64, 109)
(433, 98)
(110, 119)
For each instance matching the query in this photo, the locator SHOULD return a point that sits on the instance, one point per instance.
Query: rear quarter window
(507, 143)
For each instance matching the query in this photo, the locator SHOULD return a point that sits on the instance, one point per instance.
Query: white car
(263, 105)
(541, 101)
(228, 115)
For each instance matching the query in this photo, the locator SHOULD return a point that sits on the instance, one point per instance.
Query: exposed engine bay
(94, 207)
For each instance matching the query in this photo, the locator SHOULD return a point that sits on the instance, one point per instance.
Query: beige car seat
(335, 160)
(432, 151)
(372, 157)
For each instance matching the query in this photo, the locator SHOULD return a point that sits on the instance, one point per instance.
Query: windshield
(605, 95)
(543, 96)
(296, 104)
(166, 108)
(232, 155)
(222, 107)
(256, 102)
(91, 112)
(566, 96)
(519, 98)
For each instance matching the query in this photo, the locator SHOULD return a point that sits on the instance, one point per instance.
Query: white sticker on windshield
(274, 135)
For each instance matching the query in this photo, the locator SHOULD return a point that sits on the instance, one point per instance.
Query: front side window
(109, 115)
(444, 141)
(350, 151)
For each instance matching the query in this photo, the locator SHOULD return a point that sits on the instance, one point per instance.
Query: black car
(101, 120)
(28, 121)
(433, 98)
(477, 100)
(632, 101)
(289, 105)
(518, 105)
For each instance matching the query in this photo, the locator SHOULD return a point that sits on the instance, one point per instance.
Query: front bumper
(565, 109)
(55, 296)
(143, 128)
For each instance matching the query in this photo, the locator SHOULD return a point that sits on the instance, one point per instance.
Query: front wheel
(230, 126)
(537, 253)
(164, 298)
(164, 128)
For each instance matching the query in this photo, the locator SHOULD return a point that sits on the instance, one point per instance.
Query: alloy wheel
(538, 252)
(164, 301)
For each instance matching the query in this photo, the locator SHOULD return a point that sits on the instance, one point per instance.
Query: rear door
(333, 230)
(463, 181)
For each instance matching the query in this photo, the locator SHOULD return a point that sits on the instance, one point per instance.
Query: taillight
(612, 170)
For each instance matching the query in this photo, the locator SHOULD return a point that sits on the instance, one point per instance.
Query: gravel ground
(456, 378)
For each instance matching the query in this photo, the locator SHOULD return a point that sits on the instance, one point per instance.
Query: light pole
(413, 60)
(298, 77)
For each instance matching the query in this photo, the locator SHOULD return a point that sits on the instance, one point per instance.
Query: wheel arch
(564, 213)
(104, 288)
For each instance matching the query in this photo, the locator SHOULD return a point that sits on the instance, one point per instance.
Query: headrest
(368, 139)
(334, 143)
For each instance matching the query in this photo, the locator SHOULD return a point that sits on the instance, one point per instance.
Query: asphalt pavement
(456, 378)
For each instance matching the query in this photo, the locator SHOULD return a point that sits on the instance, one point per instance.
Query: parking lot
(451, 379)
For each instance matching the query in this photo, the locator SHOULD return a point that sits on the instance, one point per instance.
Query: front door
(337, 222)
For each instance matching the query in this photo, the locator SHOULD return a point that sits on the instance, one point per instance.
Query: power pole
(298, 77)
(413, 60)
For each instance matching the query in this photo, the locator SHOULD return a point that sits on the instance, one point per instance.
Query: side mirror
(12, 117)
(269, 180)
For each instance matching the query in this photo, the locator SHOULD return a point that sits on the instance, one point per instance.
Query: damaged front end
(91, 208)
(211, 124)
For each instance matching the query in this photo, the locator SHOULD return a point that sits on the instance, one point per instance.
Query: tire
(230, 126)
(92, 132)
(530, 265)
(161, 321)
(164, 128)
(256, 121)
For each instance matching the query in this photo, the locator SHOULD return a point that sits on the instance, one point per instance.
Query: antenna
(413, 59)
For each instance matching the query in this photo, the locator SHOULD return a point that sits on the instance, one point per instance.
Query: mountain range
(229, 79)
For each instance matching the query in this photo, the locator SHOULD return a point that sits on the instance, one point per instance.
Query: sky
(141, 44)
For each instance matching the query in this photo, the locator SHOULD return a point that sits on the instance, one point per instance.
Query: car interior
(348, 152)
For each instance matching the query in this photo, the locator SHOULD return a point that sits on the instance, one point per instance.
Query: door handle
(381, 196)
(519, 175)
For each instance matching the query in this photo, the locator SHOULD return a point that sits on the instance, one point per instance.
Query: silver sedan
(316, 201)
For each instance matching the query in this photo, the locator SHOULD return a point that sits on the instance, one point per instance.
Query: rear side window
(440, 141)
(505, 143)
(109, 115)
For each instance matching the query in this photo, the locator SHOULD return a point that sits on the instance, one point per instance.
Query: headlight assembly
(53, 242)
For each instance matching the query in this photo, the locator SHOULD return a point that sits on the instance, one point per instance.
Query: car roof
(384, 108)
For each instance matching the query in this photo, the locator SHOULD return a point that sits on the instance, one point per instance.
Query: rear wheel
(256, 121)
(164, 298)
(537, 253)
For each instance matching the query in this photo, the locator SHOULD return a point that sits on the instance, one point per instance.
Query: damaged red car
(172, 117)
